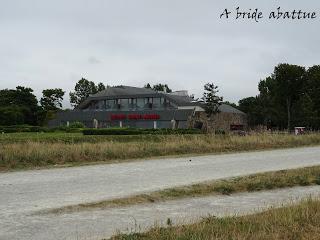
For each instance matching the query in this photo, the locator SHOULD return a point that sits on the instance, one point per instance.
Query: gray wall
(104, 118)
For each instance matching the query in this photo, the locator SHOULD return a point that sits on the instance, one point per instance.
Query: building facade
(125, 106)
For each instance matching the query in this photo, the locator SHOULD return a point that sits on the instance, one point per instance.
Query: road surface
(22, 193)
(101, 224)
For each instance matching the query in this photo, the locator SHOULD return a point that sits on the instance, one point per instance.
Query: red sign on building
(135, 116)
(118, 117)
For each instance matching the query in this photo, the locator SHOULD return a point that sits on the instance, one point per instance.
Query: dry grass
(255, 182)
(32, 154)
(300, 221)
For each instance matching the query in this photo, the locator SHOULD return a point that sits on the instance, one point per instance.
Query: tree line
(20, 105)
(289, 97)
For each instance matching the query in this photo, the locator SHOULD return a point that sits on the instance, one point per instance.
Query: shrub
(220, 132)
(23, 128)
(66, 129)
(76, 125)
(63, 128)
(256, 186)
(27, 128)
(111, 131)
(317, 180)
(137, 131)
(302, 180)
(224, 189)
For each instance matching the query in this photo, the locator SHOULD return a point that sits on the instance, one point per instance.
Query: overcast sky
(184, 43)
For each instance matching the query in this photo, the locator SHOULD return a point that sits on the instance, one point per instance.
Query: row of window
(134, 124)
(131, 103)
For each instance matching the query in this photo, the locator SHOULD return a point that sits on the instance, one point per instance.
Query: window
(110, 104)
(132, 103)
(118, 105)
(100, 105)
(124, 104)
(148, 102)
(140, 103)
(165, 102)
(97, 105)
(156, 102)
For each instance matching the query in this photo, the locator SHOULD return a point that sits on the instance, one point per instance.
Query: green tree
(290, 96)
(101, 87)
(52, 99)
(311, 97)
(148, 86)
(313, 84)
(162, 88)
(11, 115)
(280, 95)
(159, 87)
(288, 86)
(83, 89)
(252, 107)
(211, 99)
(20, 100)
(272, 113)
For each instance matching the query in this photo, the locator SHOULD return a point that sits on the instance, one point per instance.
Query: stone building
(228, 119)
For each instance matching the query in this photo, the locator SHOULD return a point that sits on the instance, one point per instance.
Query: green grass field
(32, 150)
(62, 137)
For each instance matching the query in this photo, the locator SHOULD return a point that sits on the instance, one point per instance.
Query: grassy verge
(72, 138)
(34, 154)
(300, 221)
(256, 182)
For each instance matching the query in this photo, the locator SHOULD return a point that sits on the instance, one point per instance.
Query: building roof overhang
(126, 92)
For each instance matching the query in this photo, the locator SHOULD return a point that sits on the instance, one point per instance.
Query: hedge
(28, 128)
(22, 128)
(92, 131)
(137, 131)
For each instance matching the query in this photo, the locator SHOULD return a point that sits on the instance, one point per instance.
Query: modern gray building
(125, 106)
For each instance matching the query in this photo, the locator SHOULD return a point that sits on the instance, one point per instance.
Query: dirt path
(22, 193)
(105, 223)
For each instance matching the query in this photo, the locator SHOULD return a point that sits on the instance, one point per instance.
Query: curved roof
(229, 109)
(132, 92)
(119, 92)
(123, 91)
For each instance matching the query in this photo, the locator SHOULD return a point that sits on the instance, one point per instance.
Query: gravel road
(22, 193)
(99, 224)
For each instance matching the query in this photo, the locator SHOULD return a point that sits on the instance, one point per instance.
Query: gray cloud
(94, 60)
(184, 43)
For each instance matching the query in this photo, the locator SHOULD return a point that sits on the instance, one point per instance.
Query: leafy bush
(27, 128)
(317, 180)
(302, 180)
(66, 129)
(11, 115)
(23, 128)
(224, 189)
(76, 125)
(137, 131)
(220, 132)
(257, 186)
